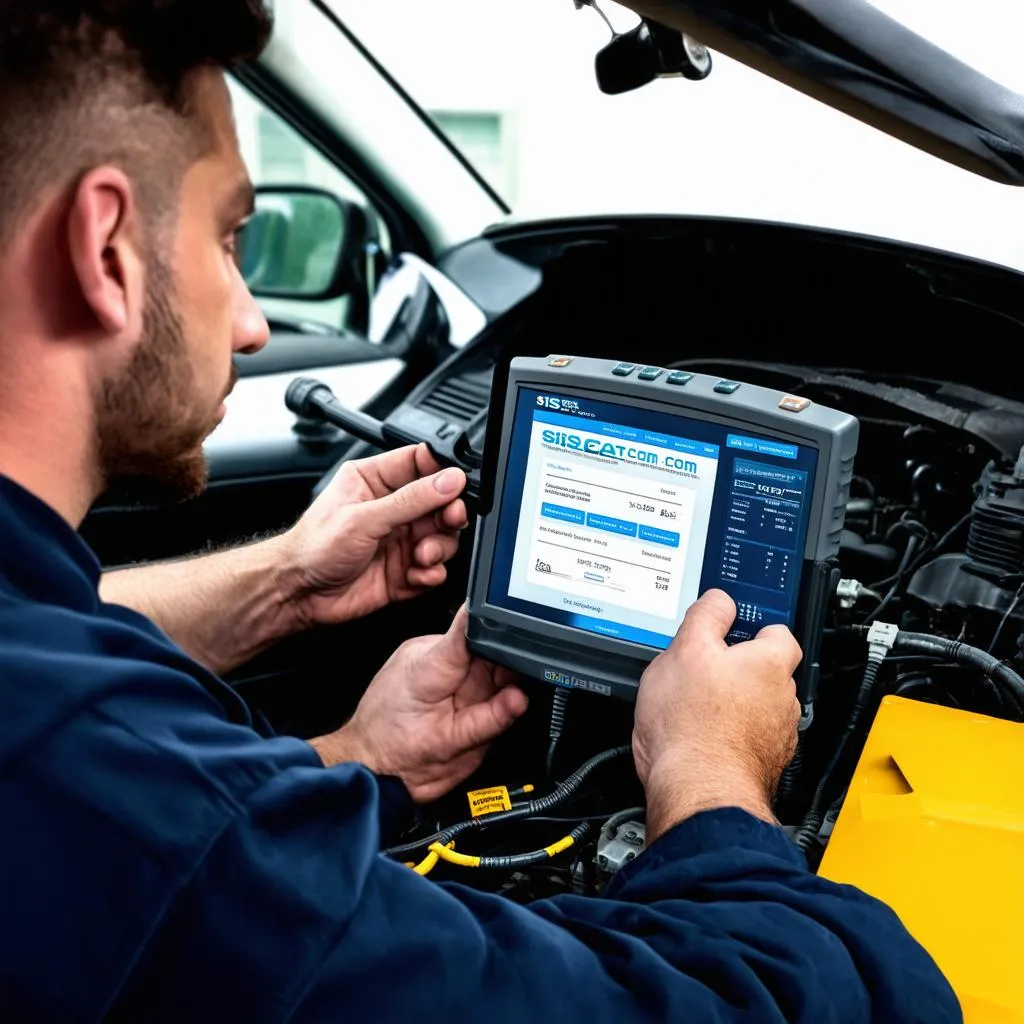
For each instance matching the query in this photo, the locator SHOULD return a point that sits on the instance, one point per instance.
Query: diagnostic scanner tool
(622, 492)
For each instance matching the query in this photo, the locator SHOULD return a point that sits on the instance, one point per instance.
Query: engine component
(864, 560)
(917, 818)
(984, 579)
(849, 592)
(1009, 682)
(995, 545)
(626, 843)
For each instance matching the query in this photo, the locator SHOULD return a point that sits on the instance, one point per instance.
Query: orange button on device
(794, 403)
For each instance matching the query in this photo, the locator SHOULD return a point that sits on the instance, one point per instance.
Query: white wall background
(736, 144)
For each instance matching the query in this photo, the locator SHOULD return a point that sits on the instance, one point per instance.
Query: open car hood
(853, 57)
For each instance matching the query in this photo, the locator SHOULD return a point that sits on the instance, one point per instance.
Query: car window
(276, 154)
(528, 113)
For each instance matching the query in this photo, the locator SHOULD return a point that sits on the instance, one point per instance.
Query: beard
(149, 430)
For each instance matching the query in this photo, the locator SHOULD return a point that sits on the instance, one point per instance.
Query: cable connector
(881, 638)
(849, 592)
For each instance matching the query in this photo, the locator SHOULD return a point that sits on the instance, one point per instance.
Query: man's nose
(251, 329)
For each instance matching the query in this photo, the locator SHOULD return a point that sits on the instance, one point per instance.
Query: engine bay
(927, 600)
(933, 544)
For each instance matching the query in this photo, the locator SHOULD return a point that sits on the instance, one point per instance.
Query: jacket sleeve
(293, 915)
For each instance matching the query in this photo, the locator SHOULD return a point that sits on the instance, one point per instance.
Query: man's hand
(716, 725)
(381, 532)
(429, 715)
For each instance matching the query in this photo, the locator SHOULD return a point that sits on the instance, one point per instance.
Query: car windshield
(513, 86)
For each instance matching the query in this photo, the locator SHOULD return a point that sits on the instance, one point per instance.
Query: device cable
(559, 703)
(881, 637)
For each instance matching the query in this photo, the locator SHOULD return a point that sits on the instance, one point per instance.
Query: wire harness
(559, 795)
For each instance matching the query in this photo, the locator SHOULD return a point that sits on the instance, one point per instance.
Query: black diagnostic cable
(815, 816)
(312, 400)
(559, 703)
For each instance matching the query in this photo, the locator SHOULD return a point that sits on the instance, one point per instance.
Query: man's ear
(101, 226)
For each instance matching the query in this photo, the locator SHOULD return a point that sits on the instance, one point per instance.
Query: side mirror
(303, 243)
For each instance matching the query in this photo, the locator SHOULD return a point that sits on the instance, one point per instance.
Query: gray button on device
(679, 378)
(650, 373)
(727, 387)
(624, 369)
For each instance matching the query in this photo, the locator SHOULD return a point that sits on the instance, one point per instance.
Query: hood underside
(851, 56)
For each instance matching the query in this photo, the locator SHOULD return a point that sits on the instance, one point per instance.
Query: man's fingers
(426, 579)
(390, 471)
(453, 516)
(779, 643)
(480, 724)
(420, 498)
(435, 550)
(708, 619)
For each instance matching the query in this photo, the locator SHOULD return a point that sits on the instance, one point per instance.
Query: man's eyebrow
(243, 200)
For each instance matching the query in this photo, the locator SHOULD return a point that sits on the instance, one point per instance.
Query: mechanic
(163, 858)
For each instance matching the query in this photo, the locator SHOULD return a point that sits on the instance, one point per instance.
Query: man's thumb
(708, 619)
(415, 500)
(455, 647)
(480, 724)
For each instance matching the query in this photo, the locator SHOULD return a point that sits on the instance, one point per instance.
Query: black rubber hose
(789, 783)
(971, 657)
(561, 793)
(610, 827)
(523, 860)
(808, 831)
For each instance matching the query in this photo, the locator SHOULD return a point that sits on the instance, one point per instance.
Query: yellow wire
(463, 860)
(448, 854)
(429, 862)
(556, 848)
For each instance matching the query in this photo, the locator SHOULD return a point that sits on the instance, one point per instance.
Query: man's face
(154, 416)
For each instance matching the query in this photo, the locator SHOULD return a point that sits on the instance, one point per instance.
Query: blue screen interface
(614, 519)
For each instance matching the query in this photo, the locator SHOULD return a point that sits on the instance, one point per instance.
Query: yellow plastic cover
(934, 826)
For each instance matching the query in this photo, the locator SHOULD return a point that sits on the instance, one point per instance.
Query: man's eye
(233, 246)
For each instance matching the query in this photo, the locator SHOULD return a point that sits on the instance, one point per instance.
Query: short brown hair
(105, 81)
